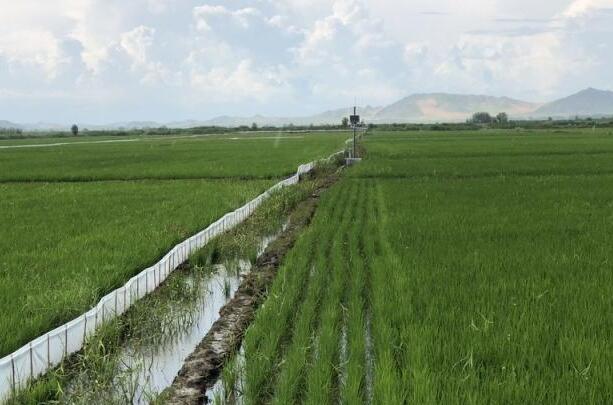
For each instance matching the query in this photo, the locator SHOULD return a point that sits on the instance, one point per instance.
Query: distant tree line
(496, 123)
(11, 133)
(426, 127)
(484, 118)
(561, 124)
(476, 122)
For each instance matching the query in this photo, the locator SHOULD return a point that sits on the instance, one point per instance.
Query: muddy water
(144, 372)
(156, 368)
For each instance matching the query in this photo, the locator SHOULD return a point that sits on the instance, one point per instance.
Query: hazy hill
(591, 102)
(449, 107)
(433, 107)
(326, 117)
(8, 124)
(133, 125)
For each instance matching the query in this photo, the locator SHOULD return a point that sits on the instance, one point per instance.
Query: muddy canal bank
(203, 367)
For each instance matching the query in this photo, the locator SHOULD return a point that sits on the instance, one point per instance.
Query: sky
(103, 61)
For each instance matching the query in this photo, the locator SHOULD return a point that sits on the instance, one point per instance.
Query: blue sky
(100, 61)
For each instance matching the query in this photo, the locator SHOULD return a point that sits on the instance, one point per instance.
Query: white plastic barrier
(47, 351)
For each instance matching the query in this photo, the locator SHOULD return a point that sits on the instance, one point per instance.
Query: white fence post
(31, 362)
(13, 379)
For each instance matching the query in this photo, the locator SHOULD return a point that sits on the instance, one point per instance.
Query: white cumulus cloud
(175, 59)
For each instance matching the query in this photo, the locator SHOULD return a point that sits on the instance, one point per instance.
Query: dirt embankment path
(203, 367)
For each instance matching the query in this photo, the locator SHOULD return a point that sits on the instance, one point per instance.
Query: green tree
(75, 130)
(502, 118)
(345, 122)
(254, 127)
(482, 118)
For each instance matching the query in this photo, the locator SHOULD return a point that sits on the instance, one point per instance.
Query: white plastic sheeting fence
(47, 351)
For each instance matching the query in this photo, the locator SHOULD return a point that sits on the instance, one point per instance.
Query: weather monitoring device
(355, 118)
(355, 122)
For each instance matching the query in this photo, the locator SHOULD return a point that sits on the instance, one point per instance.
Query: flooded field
(146, 369)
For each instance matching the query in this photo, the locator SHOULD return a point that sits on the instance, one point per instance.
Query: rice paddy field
(79, 219)
(254, 156)
(460, 267)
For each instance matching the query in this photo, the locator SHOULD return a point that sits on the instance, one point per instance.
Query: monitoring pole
(355, 121)
(354, 113)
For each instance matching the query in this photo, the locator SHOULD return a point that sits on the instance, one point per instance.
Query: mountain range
(589, 102)
(419, 108)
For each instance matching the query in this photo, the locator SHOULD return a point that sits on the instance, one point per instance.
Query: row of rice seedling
(352, 379)
(293, 297)
(322, 365)
(332, 352)
(448, 289)
(385, 293)
(321, 357)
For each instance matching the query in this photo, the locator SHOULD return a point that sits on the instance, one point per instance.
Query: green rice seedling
(275, 319)
(353, 388)
(322, 374)
(226, 289)
(150, 324)
(478, 257)
(502, 295)
(484, 271)
(473, 154)
(230, 379)
(265, 341)
(218, 399)
(64, 246)
(299, 350)
(87, 217)
(384, 296)
(262, 157)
